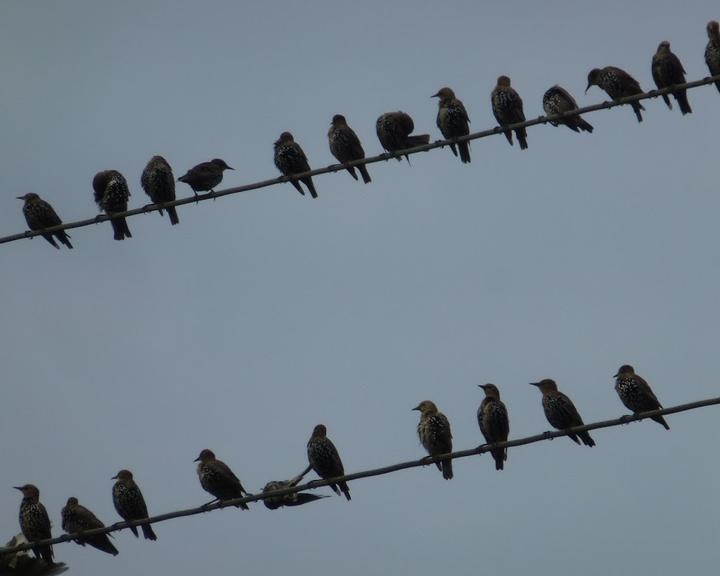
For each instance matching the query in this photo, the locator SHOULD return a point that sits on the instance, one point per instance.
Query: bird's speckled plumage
(561, 412)
(290, 159)
(159, 184)
(618, 84)
(493, 420)
(40, 214)
(507, 106)
(636, 394)
(712, 50)
(346, 147)
(77, 518)
(667, 71)
(325, 460)
(129, 502)
(434, 432)
(34, 521)
(557, 100)
(453, 121)
(393, 129)
(217, 478)
(111, 195)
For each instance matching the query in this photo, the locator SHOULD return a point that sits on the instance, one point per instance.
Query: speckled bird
(561, 412)
(159, 183)
(130, 504)
(712, 50)
(111, 195)
(217, 478)
(453, 121)
(636, 394)
(493, 420)
(393, 130)
(668, 71)
(34, 521)
(39, 214)
(618, 84)
(77, 518)
(325, 460)
(346, 147)
(435, 435)
(507, 106)
(294, 499)
(557, 100)
(205, 176)
(290, 160)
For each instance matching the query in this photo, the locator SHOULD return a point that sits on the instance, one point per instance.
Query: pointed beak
(230, 168)
(114, 477)
(482, 386)
(197, 459)
(534, 383)
(588, 87)
(416, 407)
(18, 488)
(616, 375)
(20, 197)
(436, 95)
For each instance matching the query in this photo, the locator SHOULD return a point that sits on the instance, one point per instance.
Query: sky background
(265, 313)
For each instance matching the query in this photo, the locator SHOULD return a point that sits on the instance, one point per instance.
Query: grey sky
(262, 314)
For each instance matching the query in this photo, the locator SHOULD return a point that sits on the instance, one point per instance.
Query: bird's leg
(213, 501)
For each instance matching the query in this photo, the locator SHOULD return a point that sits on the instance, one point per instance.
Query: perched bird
(111, 195)
(294, 499)
(205, 176)
(393, 130)
(453, 121)
(560, 411)
(325, 460)
(34, 521)
(77, 518)
(290, 160)
(159, 183)
(39, 214)
(668, 71)
(346, 147)
(557, 100)
(618, 84)
(129, 502)
(493, 420)
(434, 432)
(712, 50)
(636, 394)
(217, 478)
(21, 563)
(507, 107)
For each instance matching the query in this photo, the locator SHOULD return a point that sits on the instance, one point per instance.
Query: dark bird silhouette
(294, 499)
(712, 50)
(557, 100)
(494, 424)
(636, 393)
(346, 147)
(507, 107)
(618, 84)
(561, 412)
(77, 518)
(434, 432)
(205, 176)
(24, 563)
(111, 195)
(453, 121)
(39, 214)
(667, 71)
(159, 183)
(34, 521)
(290, 160)
(325, 460)
(130, 504)
(393, 130)
(217, 478)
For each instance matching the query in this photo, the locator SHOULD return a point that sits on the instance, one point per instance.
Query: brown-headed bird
(346, 147)
(393, 130)
(205, 176)
(636, 394)
(290, 160)
(453, 121)
(39, 214)
(507, 107)
(561, 412)
(618, 84)
(111, 195)
(34, 521)
(557, 100)
(668, 71)
(325, 460)
(77, 518)
(493, 420)
(159, 183)
(217, 478)
(712, 50)
(130, 504)
(435, 436)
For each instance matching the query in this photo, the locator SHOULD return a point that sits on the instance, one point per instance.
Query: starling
(668, 71)
(217, 478)
(294, 499)
(159, 183)
(111, 194)
(21, 563)
(560, 411)
(434, 432)
(346, 147)
(34, 521)
(508, 109)
(636, 394)
(712, 50)
(130, 504)
(453, 121)
(39, 214)
(618, 84)
(77, 518)
(557, 100)
(393, 130)
(290, 160)
(325, 460)
(493, 420)
(205, 176)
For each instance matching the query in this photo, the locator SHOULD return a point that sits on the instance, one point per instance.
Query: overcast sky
(265, 313)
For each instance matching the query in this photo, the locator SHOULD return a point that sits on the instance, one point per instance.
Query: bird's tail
(661, 420)
(574, 438)
(44, 552)
(148, 532)
(297, 186)
(49, 238)
(521, 134)
(717, 85)
(667, 101)
(345, 489)
(447, 471)
(586, 439)
(583, 125)
(364, 173)
(64, 237)
(682, 100)
(637, 107)
(135, 531)
(310, 186)
(508, 135)
(102, 542)
(500, 456)
(464, 148)
(120, 229)
(351, 169)
(173, 215)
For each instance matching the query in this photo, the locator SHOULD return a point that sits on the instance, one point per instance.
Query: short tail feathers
(351, 169)
(310, 186)
(44, 552)
(102, 542)
(64, 237)
(364, 173)
(500, 456)
(148, 532)
(464, 152)
(682, 101)
(717, 85)
(453, 149)
(345, 489)
(447, 469)
(297, 186)
(49, 238)
(637, 107)
(586, 439)
(242, 506)
(173, 215)
(120, 229)
(521, 134)
(135, 531)
(583, 125)
(666, 98)
(508, 135)
(418, 140)
(574, 438)
(661, 420)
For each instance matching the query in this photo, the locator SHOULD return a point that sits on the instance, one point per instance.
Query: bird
(635, 393)
(557, 100)
(507, 107)
(453, 121)
(561, 412)
(130, 504)
(159, 183)
(111, 195)
(493, 420)
(346, 147)
(34, 521)
(712, 50)
(323, 457)
(290, 160)
(434, 432)
(22, 563)
(393, 130)
(205, 176)
(77, 518)
(668, 71)
(39, 214)
(217, 478)
(618, 84)
(293, 499)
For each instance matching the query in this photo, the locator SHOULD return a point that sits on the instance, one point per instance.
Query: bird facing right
(618, 84)
(34, 521)
(346, 147)
(205, 176)
(493, 420)
(324, 458)
(290, 159)
(77, 518)
(668, 71)
(507, 106)
(40, 214)
(159, 183)
(393, 129)
(111, 195)
(434, 432)
(712, 50)
(453, 121)
(130, 504)
(636, 394)
(217, 478)
(561, 412)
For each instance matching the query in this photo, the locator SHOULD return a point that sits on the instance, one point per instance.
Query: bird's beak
(230, 168)
(18, 488)
(437, 95)
(588, 87)
(616, 375)
(534, 383)
(482, 386)
(416, 407)
(114, 477)
(20, 197)
(197, 459)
